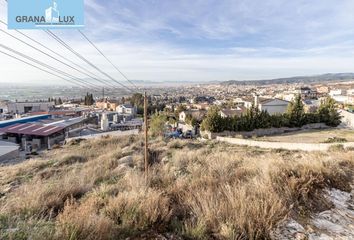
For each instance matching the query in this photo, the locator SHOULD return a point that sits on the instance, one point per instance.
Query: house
(170, 107)
(289, 97)
(248, 101)
(343, 99)
(307, 93)
(224, 113)
(273, 106)
(3, 109)
(311, 106)
(106, 105)
(350, 91)
(350, 99)
(197, 114)
(27, 107)
(126, 109)
(244, 101)
(201, 106)
(335, 92)
(323, 89)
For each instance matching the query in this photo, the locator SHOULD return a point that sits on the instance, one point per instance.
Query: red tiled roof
(32, 129)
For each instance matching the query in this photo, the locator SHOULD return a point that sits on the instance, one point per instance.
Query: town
(28, 127)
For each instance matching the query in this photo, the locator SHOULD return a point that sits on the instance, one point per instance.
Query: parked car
(188, 134)
(174, 135)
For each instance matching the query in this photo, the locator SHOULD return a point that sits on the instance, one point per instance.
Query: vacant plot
(96, 189)
(312, 136)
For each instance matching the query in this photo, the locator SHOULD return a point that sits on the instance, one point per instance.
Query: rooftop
(66, 122)
(23, 120)
(32, 129)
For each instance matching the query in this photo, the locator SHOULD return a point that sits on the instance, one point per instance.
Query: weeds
(203, 191)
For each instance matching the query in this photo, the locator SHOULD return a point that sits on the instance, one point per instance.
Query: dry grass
(199, 191)
(312, 136)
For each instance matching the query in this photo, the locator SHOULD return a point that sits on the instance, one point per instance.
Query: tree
(213, 121)
(172, 120)
(328, 113)
(89, 99)
(137, 99)
(296, 112)
(157, 124)
(180, 109)
(192, 120)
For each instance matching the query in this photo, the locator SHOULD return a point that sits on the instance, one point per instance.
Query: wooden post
(146, 159)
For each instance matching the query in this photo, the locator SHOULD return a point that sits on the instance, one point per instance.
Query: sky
(200, 40)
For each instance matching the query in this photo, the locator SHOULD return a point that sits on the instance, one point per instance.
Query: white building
(26, 107)
(350, 92)
(244, 101)
(104, 122)
(341, 98)
(271, 105)
(183, 116)
(274, 106)
(3, 109)
(335, 92)
(197, 114)
(224, 113)
(289, 97)
(126, 109)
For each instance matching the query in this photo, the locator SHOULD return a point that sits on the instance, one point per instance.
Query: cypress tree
(296, 112)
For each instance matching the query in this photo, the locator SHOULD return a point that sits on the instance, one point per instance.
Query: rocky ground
(336, 223)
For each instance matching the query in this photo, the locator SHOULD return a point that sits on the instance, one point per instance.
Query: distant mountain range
(300, 79)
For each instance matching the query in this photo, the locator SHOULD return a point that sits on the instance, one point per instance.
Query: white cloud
(203, 40)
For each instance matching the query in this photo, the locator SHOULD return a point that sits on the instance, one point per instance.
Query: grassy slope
(195, 190)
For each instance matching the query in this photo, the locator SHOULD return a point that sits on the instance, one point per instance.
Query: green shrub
(335, 140)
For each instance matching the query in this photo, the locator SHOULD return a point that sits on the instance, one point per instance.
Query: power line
(30, 64)
(62, 42)
(58, 54)
(106, 58)
(48, 66)
(58, 60)
(77, 54)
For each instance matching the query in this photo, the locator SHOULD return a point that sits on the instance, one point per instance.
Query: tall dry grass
(199, 191)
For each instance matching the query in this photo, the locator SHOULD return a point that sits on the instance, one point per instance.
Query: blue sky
(205, 40)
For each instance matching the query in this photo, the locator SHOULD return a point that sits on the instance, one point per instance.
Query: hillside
(300, 79)
(196, 190)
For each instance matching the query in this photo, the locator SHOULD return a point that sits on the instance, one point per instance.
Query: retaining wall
(263, 132)
(284, 145)
(347, 119)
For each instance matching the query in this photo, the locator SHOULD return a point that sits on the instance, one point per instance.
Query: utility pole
(146, 160)
(103, 94)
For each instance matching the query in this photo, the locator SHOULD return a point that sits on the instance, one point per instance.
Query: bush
(337, 147)
(139, 211)
(82, 222)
